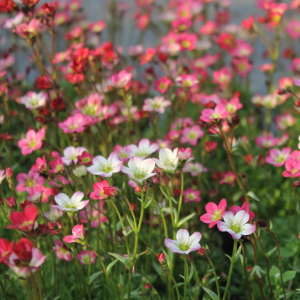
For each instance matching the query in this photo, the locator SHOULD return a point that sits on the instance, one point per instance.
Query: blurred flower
(33, 141)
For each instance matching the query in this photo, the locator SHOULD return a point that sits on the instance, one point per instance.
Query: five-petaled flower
(64, 203)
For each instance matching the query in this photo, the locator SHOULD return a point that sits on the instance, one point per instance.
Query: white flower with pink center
(184, 243)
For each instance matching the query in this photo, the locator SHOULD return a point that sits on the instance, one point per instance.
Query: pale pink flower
(186, 80)
(157, 104)
(228, 178)
(214, 213)
(34, 100)
(216, 114)
(242, 66)
(90, 105)
(293, 29)
(236, 224)
(266, 141)
(53, 214)
(284, 121)
(185, 155)
(86, 257)
(184, 243)
(28, 31)
(245, 207)
(33, 141)
(138, 169)
(77, 235)
(191, 135)
(194, 168)
(122, 152)
(278, 157)
(222, 77)
(191, 195)
(71, 153)
(27, 182)
(143, 149)
(121, 79)
(105, 167)
(62, 251)
(70, 205)
(74, 123)
(11, 23)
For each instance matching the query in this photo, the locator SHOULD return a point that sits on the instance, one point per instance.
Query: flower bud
(161, 258)
(262, 223)
(148, 286)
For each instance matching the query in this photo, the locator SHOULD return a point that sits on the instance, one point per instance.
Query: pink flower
(77, 235)
(33, 141)
(122, 152)
(185, 155)
(162, 84)
(293, 29)
(99, 192)
(86, 257)
(40, 165)
(216, 114)
(28, 31)
(222, 77)
(184, 243)
(292, 168)
(27, 182)
(236, 224)
(191, 135)
(57, 166)
(228, 178)
(214, 213)
(266, 141)
(97, 216)
(242, 66)
(74, 123)
(194, 168)
(284, 121)
(157, 104)
(190, 195)
(121, 79)
(24, 221)
(186, 80)
(245, 207)
(62, 251)
(277, 157)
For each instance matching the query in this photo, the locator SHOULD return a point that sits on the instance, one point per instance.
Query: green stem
(215, 275)
(180, 198)
(186, 275)
(230, 270)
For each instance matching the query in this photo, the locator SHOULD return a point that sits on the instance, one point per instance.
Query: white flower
(79, 171)
(143, 149)
(235, 224)
(184, 243)
(34, 100)
(105, 167)
(194, 168)
(157, 104)
(71, 153)
(73, 204)
(139, 169)
(168, 159)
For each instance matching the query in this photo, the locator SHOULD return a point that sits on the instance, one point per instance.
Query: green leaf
(131, 223)
(270, 252)
(182, 221)
(94, 276)
(252, 195)
(109, 267)
(191, 274)
(211, 294)
(238, 254)
(236, 145)
(148, 202)
(127, 232)
(122, 259)
(288, 275)
(164, 193)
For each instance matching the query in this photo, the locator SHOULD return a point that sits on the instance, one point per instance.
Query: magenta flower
(77, 235)
(74, 123)
(27, 182)
(236, 224)
(33, 141)
(98, 192)
(228, 178)
(278, 157)
(86, 257)
(190, 195)
(62, 251)
(214, 213)
(184, 243)
(245, 207)
(292, 168)
(162, 84)
(216, 114)
(191, 135)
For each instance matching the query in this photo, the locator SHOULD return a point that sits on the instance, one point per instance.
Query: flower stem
(186, 275)
(215, 275)
(230, 270)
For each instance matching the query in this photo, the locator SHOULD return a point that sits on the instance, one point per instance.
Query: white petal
(182, 236)
(62, 199)
(195, 237)
(241, 217)
(77, 197)
(228, 216)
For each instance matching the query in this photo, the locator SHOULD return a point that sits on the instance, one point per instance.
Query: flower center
(184, 247)
(215, 115)
(192, 135)
(216, 215)
(30, 182)
(89, 110)
(32, 144)
(139, 174)
(235, 227)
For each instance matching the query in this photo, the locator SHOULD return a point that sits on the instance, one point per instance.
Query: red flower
(85, 158)
(7, 5)
(5, 250)
(23, 221)
(43, 83)
(75, 79)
